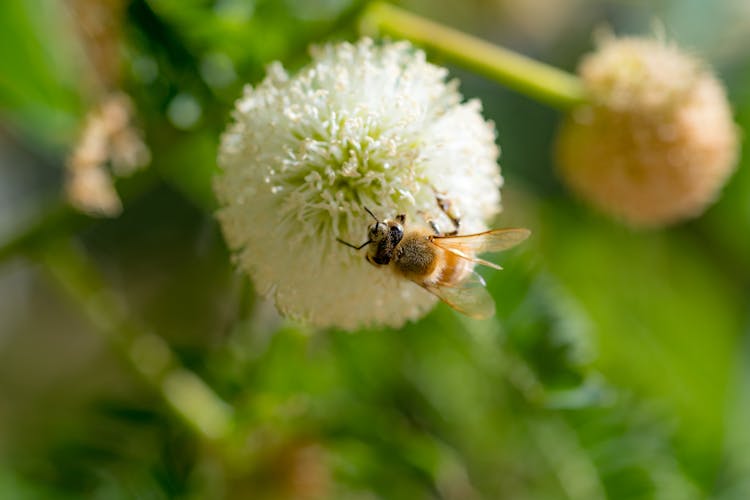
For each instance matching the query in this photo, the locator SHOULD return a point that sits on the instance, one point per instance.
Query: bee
(442, 264)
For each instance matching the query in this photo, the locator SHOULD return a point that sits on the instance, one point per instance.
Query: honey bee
(442, 264)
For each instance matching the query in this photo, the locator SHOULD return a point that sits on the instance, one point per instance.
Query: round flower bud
(656, 142)
(362, 125)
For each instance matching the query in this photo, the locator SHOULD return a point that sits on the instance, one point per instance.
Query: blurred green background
(618, 365)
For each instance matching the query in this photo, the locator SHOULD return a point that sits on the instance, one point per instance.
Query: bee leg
(450, 210)
(428, 219)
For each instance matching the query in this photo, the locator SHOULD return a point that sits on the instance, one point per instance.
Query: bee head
(378, 232)
(388, 230)
(384, 234)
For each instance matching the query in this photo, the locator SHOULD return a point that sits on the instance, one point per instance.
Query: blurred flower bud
(656, 143)
(108, 137)
(362, 125)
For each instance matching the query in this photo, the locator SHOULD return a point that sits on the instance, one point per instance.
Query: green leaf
(39, 70)
(663, 316)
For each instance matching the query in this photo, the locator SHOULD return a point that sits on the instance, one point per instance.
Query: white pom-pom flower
(362, 125)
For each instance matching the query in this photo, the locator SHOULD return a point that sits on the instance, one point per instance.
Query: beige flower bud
(657, 141)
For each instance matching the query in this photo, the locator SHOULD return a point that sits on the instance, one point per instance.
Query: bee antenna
(354, 246)
(373, 215)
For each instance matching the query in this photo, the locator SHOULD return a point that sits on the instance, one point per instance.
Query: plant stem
(189, 397)
(527, 76)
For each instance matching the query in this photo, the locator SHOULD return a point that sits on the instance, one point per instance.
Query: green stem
(189, 397)
(527, 76)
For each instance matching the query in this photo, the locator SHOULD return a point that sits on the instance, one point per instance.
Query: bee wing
(494, 240)
(469, 297)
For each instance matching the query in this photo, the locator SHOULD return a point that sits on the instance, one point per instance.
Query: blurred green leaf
(39, 70)
(664, 317)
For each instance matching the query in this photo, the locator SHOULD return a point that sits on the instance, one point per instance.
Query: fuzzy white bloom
(362, 125)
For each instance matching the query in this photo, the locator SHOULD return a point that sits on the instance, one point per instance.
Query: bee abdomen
(454, 270)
